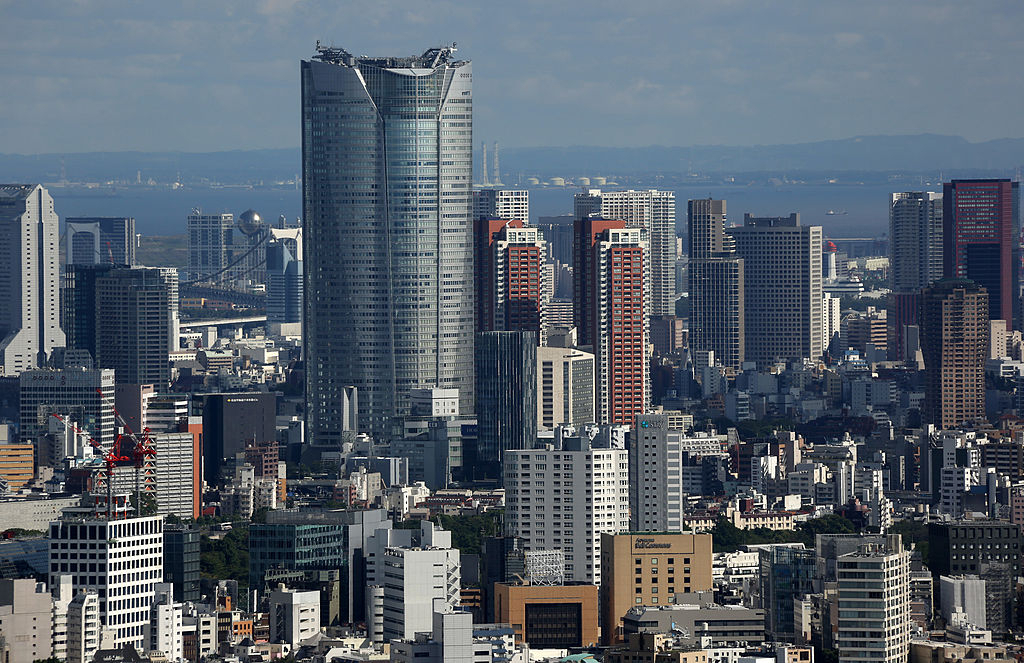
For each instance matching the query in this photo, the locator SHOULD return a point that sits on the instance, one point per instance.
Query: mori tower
(387, 203)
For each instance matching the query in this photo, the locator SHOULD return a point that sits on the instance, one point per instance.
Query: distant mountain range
(925, 153)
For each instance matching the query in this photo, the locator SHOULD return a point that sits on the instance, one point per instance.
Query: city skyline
(750, 74)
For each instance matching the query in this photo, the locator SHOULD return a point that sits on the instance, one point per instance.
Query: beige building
(25, 621)
(565, 387)
(549, 616)
(17, 465)
(648, 568)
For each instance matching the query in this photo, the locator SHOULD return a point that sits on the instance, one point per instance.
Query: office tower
(716, 285)
(317, 540)
(406, 571)
(661, 469)
(538, 479)
(122, 560)
(508, 204)
(873, 605)
(25, 620)
(649, 569)
(510, 280)
(954, 341)
(79, 395)
(103, 240)
(915, 240)
(29, 282)
(210, 247)
(294, 616)
(980, 226)
(786, 574)
(181, 561)
(389, 254)
(655, 212)
(611, 314)
(250, 252)
(230, 422)
(565, 387)
(79, 305)
(177, 468)
(782, 288)
(284, 276)
(506, 393)
(137, 323)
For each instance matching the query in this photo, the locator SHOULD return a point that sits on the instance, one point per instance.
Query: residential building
(506, 204)
(76, 622)
(611, 315)
(506, 364)
(782, 288)
(25, 620)
(210, 247)
(654, 212)
(980, 226)
(649, 569)
(137, 323)
(510, 280)
(80, 395)
(915, 240)
(166, 632)
(954, 341)
(564, 499)
(177, 466)
(716, 285)
(95, 240)
(873, 605)
(123, 558)
(549, 616)
(29, 281)
(388, 272)
(565, 387)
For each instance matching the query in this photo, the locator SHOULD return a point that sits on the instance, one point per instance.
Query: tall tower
(210, 247)
(509, 276)
(506, 364)
(715, 285)
(954, 323)
(980, 220)
(387, 239)
(915, 239)
(873, 605)
(29, 283)
(782, 288)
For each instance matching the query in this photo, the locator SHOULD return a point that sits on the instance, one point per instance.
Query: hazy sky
(200, 76)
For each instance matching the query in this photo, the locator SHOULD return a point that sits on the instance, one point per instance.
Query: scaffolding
(545, 567)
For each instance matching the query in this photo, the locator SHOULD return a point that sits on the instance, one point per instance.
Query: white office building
(405, 571)
(565, 499)
(874, 605)
(166, 634)
(123, 558)
(294, 615)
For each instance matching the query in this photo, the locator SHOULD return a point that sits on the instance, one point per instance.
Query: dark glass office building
(181, 561)
(506, 393)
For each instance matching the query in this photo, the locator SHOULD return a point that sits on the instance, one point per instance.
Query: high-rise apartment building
(210, 247)
(102, 240)
(954, 325)
(284, 275)
(80, 395)
(122, 560)
(137, 323)
(564, 499)
(649, 569)
(510, 276)
(980, 226)
(873, 604)
(29, 282)
(506, 392)
(611, 314)
(782, 281)
(505, 204)
(565, 387)
(716, 285)
(915, 239)
(388, 247)
(655, 212)
(177, 467)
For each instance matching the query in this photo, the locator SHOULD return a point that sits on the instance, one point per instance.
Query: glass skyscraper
(387, 204)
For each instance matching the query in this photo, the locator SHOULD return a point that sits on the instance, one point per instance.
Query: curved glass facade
(387, 201)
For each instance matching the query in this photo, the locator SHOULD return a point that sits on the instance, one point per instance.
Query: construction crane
(111, 458)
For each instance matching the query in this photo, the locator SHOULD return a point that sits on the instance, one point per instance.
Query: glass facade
(387, 202)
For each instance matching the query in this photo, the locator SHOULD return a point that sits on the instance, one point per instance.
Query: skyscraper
(506, 392)
(782, 288)
(509, 276)
(210, 250)
(137, 323)
(387, 200)
(873, 605)
(501, 204)
(611, 314)
(980, 220)
(954, 324)
(29, 283)
(915, 239)
(716, 282)
(655, 212)
(284, 276)
(100, 240)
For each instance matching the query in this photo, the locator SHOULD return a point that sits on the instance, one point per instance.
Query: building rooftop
(430, 59)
